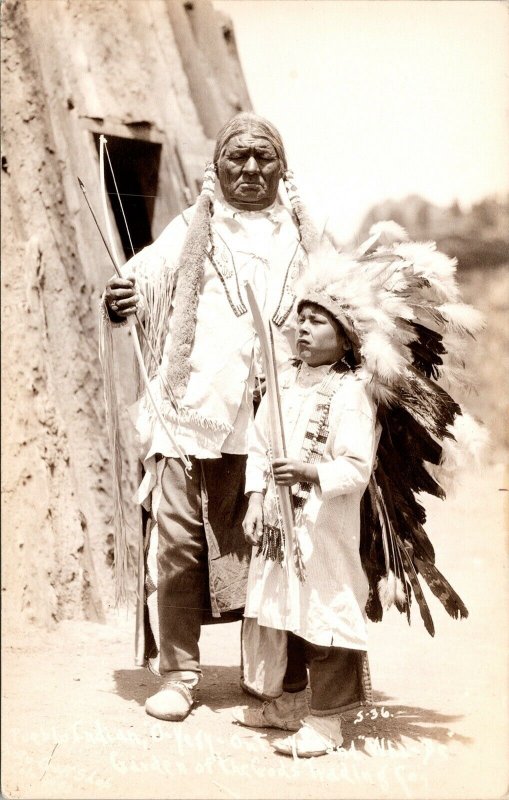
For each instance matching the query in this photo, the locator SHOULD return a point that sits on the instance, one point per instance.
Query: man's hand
(287, 471)
(253, 521)
(120, 296)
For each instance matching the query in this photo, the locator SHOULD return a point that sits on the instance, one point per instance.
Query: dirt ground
(74, 724)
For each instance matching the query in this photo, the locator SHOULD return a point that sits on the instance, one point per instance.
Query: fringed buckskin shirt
(259, 247)
(329, 610)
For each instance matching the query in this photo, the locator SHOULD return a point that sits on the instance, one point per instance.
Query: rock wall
(71, 71)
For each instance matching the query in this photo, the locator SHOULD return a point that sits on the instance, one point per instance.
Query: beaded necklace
(271, 544)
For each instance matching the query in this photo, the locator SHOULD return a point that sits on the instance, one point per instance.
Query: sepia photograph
(255, 399)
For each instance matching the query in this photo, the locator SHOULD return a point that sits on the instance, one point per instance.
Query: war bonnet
(343, 286)
(401, 299)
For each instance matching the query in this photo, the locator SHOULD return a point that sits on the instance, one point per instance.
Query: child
(329, 422)
(376, 330)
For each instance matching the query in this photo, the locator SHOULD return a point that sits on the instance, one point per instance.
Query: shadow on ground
(393, 722)
(219, 687)
(135, 684)
(396, 723)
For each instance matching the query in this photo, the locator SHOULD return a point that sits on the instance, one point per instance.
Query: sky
(381, 99)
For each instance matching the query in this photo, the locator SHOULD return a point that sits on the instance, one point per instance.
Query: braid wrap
(310, 237)
(189, 275)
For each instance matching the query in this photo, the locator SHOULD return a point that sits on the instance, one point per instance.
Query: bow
(278, 446)
(134, 323)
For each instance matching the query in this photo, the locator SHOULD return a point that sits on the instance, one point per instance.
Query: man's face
(320, 339)
(249, 171)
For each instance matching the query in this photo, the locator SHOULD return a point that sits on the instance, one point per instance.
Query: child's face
(319, 338)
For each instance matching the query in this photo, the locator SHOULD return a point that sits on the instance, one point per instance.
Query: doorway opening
(135, 163)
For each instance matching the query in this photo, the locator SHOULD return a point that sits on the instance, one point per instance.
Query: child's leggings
(277, 661)
(335, 675)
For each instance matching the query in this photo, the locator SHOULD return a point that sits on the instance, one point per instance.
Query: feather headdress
(345, 287)
(399, 303)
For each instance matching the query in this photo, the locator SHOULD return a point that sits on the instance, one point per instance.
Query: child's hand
(253, 521)
(287, 471)
(259, 389)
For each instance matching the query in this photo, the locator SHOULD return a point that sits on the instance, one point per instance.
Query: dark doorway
(136, 166)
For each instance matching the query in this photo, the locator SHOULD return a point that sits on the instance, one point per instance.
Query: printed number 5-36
(374, 713)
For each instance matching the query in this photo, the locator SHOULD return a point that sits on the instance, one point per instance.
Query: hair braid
(188, 278)
(309, 235)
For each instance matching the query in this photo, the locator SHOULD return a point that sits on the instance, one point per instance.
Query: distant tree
(422, 217)
(455, 210)
(485, 213)
(398, 216)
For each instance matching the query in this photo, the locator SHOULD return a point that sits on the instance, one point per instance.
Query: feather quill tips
(392, 592)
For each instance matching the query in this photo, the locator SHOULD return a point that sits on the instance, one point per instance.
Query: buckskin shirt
(259, 247)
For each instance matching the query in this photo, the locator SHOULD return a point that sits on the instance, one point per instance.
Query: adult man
(188, 285)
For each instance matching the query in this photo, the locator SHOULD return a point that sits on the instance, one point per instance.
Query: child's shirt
(331, 601)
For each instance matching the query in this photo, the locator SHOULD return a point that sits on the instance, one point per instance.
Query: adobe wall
(68, 70)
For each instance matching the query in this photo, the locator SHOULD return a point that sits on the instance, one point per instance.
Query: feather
(388, 232)
(383, 234)
(403, 512)
(421, 543)
(391, 587)
(442, 589)
(405, 433)
(400, 598)
(470, 436)
(381, 393)
(462, 317)
(406, 554)
(437, 268)
(457, 378)
(387, 589)
(463, 449)
(381, 357)
(396, 305)
(427, 315)
(407, 588)
(371, 555)
(396, 281)
(383, 321)
(427, 350)
(429, 404)
(422, 481)
(454, 370)
(404, 334)
(391, 591)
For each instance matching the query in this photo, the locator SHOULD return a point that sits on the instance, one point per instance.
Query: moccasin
(317, 737)
(285, 712)
(171, 703)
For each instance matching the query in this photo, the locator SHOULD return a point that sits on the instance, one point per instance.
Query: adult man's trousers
(197, 558)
